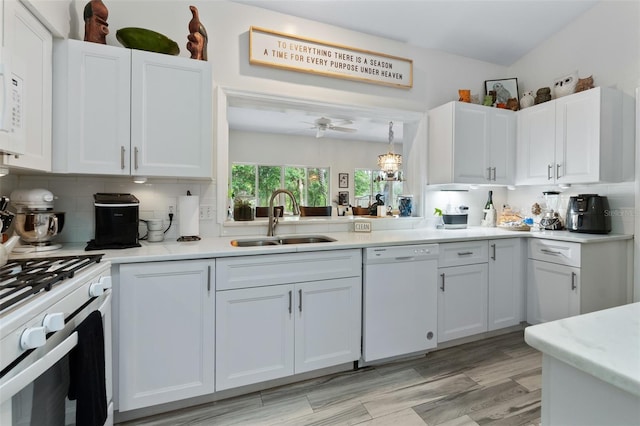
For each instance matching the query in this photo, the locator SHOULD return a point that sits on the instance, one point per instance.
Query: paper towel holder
(184, 238)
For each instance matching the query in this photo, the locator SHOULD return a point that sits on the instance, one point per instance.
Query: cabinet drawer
(465, 253)
(560, 252)
(274, 269)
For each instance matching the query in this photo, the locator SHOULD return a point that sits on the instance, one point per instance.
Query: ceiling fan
(323, 124)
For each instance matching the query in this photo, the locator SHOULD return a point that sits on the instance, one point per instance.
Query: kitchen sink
(276, 241)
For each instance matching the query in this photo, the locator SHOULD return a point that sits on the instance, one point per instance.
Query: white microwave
(12, 108)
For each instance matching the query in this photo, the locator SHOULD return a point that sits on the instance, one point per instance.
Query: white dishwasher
(400, 301)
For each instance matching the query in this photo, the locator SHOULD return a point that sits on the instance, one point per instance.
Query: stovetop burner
(23, 278)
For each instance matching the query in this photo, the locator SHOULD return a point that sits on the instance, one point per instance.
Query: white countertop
(211, 247)
(605, 344)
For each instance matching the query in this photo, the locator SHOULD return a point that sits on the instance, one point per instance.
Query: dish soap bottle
(490, 216)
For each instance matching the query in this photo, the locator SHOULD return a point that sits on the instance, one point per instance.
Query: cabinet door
(91, 108)
(254, 335)
(471, 144)
(462, 301)
(536, 144)
(171, 116)
(166, 341)
(502, 146)
(31, 58)
(506, 283)
(553, 291)
(578, 137)
(327, 323)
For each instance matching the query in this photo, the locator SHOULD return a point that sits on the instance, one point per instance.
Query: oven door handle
(35, 370)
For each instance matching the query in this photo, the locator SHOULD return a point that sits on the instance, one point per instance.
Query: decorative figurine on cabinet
(197, 37)
(543, 95)
(527, 99)
(566, 85)
(95, 22)
(584, 84)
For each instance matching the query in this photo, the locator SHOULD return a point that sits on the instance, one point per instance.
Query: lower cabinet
(506, 283)
(462, 301)
(567, 278)
(283, 321)
(462, 295)
(553, 291)
(481, 287)
(166, 332)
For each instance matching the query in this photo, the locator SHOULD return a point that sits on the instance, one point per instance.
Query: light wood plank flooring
(495, 381)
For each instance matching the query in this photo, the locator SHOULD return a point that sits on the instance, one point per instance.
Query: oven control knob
(106, 282)
(53, 322)
(33, 337)
(96, 289)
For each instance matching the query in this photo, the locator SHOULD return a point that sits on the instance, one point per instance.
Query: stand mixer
(550, 220)
(35, 220)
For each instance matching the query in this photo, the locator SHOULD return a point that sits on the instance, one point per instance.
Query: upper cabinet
(129, 112)
(471, 143)
(27, 49)
(586, 137)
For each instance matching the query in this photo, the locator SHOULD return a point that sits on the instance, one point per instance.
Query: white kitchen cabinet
(553, 293)
(462, 297)
(566, 279)
(585, 137)
(130, 112)
(28, 44)
(471, 143)
(506, 283)
(284, 314)
(166, 332)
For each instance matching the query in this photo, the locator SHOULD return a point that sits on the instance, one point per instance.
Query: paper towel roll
(188, 213)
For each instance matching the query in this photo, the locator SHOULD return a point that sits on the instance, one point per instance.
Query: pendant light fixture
(390, 163)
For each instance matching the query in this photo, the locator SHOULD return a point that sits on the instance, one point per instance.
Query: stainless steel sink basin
(306, 239)
(276, 241)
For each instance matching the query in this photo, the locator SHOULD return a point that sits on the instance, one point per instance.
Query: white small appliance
(12, 120)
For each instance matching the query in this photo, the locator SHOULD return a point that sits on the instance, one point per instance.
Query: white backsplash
(621, 198)
(75, 198)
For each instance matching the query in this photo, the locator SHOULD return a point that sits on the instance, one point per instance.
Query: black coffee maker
(117, 217)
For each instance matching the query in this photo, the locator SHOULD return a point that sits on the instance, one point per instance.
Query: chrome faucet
(273, 221)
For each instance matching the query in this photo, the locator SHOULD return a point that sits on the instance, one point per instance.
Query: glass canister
(244, 207)
(405, 205)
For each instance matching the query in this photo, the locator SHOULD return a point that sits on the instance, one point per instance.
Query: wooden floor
(495, 381)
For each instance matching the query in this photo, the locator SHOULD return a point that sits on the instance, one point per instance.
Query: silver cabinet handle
(555, 253)
(208, 278)
(300, 296)
(488, 173)
(573, 281)
(290, 295)
(442, 287)
(493, 247)
(465, 253)
(135, 158)
(494, 173)
(558, 171)
(549, 167)
(122, 151)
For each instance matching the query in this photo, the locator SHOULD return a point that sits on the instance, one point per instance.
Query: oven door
(37, 393)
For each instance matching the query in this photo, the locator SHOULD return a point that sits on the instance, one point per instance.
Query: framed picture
(505, 89)
(343, 180)
(343, 198)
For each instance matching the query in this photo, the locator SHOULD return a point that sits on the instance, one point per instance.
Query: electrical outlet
(362, 226)
(206, 212)
(171, 210)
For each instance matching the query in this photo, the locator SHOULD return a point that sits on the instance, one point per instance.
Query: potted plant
(243, 207)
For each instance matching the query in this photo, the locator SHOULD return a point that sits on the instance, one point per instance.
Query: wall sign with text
(280, 50)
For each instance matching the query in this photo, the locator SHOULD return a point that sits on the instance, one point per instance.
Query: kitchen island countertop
(211, 247)
(604, 344)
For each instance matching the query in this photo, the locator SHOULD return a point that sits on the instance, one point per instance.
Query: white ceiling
(499, 32)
